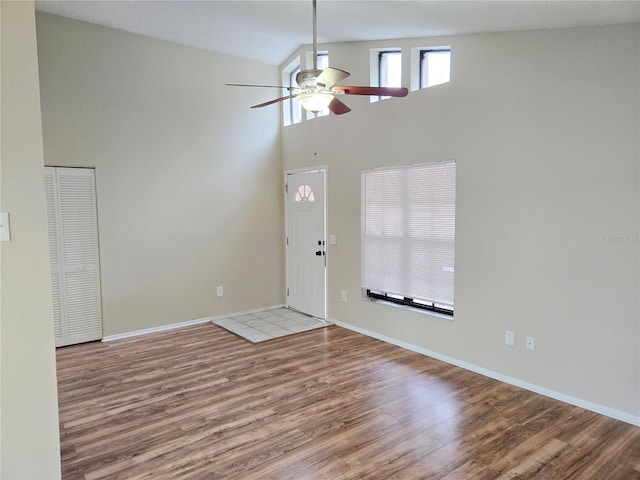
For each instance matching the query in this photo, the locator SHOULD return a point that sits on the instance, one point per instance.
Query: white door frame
(319, 168)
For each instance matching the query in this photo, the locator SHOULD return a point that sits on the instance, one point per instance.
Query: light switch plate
(509, 337)
(5, 231)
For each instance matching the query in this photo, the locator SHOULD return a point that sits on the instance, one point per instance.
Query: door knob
(319, 253)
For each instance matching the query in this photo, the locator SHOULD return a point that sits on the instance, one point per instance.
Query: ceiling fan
(318, 89)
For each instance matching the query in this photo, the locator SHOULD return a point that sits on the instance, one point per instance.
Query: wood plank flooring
(200, 402)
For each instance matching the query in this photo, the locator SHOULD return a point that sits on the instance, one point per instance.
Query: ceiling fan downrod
(315, 36)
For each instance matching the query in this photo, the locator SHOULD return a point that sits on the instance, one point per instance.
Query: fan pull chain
(317, 145)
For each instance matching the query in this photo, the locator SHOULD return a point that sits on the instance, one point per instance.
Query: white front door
(305, 243)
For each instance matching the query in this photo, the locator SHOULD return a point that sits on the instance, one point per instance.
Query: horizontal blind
(408, 231)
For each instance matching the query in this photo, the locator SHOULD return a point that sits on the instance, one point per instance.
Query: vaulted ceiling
(269, 31)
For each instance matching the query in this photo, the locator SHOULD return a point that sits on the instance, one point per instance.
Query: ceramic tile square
(266, 315)
(225, 322)
(245, 330)
(269, 327)
(299, 328)
(258, 322)
(258, 337)
(288, 323)
(280, 332)
(310, 323)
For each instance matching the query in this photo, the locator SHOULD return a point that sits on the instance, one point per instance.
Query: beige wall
(545, 128)
(188, 176)
(29, 435)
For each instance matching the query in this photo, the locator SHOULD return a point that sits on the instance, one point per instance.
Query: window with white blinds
(408, 234)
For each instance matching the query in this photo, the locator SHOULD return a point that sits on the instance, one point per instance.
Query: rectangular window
(294, 105)
(408, 235)
(291, 110)
(389, 69)
(323, 60)
(435, 66)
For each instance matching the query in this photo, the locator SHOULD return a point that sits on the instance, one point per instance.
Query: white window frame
(416, 65)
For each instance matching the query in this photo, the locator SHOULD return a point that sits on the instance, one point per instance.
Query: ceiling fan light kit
(315, 102)
(317, 89)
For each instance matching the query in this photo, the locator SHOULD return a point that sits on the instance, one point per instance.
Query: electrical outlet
(343, 295)
(530, 343)
(509, 337)
(219, 291)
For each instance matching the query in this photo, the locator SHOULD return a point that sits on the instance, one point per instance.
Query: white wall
(188, 176)
(29, 435)
(545, 130)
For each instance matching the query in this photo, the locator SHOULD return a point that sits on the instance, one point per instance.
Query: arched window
(304, 194)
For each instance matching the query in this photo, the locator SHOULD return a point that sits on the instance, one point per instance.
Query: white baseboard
(578, 402)
(162, 328)
(173, 326)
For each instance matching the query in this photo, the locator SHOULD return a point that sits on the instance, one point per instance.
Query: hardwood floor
(200, 402)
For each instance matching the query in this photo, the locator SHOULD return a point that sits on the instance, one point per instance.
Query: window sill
(408, 308)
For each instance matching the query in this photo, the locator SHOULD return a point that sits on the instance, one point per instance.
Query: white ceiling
(269, 31)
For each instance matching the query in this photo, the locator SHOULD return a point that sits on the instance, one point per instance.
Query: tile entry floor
(269, 324)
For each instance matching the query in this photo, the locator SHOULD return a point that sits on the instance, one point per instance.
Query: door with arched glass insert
(306, 254)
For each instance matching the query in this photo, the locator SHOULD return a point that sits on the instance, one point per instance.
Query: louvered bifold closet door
(74, 245)
(54, 248)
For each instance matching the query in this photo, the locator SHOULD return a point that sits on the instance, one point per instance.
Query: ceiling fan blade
(337, 107)
(281, 99)
(330, 76)
(251, 85)
(381, 91)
